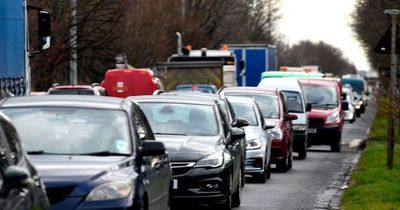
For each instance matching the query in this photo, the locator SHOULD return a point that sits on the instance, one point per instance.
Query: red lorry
(130, 82)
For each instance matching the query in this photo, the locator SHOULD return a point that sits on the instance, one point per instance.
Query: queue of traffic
(169, 148)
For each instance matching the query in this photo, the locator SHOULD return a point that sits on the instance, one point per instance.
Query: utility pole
(392, 89)
(73, 40)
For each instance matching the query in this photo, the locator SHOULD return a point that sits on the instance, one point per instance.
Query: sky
(322, 20)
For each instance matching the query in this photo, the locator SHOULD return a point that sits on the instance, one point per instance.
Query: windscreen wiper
(172, 134)
(104, 153)
(35, 152)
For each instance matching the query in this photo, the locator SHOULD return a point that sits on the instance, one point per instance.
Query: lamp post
(392, 90)
(73, 39)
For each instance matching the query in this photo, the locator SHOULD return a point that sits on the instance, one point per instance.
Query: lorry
(213, 67)
(256, 59)
(15, 48)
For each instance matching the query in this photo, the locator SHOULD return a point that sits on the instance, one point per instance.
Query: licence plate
(174, 184)
(312, 130)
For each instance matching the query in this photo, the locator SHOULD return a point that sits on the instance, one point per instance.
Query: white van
(296, 104)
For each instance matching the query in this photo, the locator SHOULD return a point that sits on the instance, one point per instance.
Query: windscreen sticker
(121, 145)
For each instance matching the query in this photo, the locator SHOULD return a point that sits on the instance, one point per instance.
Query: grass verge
(372, 185)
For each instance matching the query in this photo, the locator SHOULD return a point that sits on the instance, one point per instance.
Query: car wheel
(358, 113)
(268, 176)
(143, 203)
(227, 205)
(236, 197)
(353, 119)
(282, 165)
(290, 160)
(303, 152)
(337, 144)
(243, 176)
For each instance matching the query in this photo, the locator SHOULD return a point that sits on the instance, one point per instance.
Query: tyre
(337, 144)
(283, 165)
(236, 196)
(243, 176)
(227, 204)
(303, 152)
(353, 120)
(290, 161)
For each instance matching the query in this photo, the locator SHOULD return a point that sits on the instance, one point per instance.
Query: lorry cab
(296, 104)
(130, 82)
(326, 115)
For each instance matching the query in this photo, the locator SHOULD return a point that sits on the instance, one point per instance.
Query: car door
(286, 124)
(155, 168)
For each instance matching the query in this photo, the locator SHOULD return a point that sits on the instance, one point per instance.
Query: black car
(20, 184)
(204, 149)
(93, 152)
(230, 116)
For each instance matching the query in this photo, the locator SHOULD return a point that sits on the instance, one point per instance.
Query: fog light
(212, 186)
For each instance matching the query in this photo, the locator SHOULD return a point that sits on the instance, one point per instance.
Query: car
(93, 152)
(93, 89)
(259, 142)
(204, 88)
(326, 116)
(277, 120)
(349, 115)
(231, 117)
(21, 186)
(296, 104)
(204, 148)
(359, 86)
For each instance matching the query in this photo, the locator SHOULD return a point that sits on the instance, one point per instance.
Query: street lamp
(392, 108)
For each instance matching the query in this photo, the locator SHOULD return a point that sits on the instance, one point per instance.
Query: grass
(372, 185)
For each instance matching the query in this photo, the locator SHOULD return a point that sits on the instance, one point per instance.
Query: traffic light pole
(392, 90)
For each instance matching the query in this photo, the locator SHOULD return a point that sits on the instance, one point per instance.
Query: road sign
(384, 45)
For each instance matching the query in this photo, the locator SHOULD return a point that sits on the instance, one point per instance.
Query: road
(313, 183)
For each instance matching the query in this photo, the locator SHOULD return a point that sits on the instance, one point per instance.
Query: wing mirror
(345, 105)
(15, 177)
(308, 107)
(152, 148)
(344, 96)
(240, 122)
(291, 117)
(237, 134)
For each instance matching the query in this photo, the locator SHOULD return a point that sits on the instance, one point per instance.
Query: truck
(15, 48)
(204, 66)
(255, 59)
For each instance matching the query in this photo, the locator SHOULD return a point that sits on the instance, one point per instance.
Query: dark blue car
(93, 152)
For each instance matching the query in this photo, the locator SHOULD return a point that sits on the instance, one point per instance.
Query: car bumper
(349, 115)
(78, 203)
(299, 140)
(323, 135)
(201, 185)
(255, 160)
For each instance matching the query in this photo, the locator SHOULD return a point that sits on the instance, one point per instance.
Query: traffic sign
(384, 45)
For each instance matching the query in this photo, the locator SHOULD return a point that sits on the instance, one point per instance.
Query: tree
(329, 58)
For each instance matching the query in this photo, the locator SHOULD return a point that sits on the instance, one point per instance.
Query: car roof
(238, 99)
(65, 101)
(185, 98)
(269, 91)
(288, 84)
(319, 81)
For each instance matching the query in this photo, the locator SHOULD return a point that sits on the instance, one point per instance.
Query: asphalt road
(313, 183)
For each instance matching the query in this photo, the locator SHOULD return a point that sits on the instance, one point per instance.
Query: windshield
(321, 96)
(71, 130)
(268, 104)
(356, 84)
(245, 111)
(181, 119)
(72, 92)
(293, 101)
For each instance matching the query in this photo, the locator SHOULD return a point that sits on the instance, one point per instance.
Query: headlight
(332, 118)
(253, 144)
(214, 160)
(110, 191)
(277, 134)
(360, 102)
(299, 127)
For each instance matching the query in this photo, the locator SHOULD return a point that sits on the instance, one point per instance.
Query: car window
(321, 96)
(293, 101)
(141, 125)
(5, 158)
(71, 130)
(245, 111)
(12, 141)
(224, 121)
(72, 92)
(181, 119)
(268, 104)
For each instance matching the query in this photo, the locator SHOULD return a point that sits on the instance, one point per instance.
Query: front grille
(254, 162)
(316, 122)
(58, 194)
(180, 168)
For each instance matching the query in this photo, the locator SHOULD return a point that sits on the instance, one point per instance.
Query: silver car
(350, 114)
(258, 149)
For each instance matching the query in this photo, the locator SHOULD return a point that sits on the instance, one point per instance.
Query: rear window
(268, 104)
(245, 111)
(72, 92)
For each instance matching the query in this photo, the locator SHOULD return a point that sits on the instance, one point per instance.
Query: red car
(325, 120)
(277, 120)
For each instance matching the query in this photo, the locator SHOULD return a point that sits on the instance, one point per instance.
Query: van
(296, 104)
(326, 116)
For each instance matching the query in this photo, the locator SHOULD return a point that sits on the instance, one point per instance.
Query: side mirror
(15, 177)
(308, 107)
(241, 64)
(237, 134)
(266, 127)
(292, 117)
(345, 105)
(344, 96)
(152, 148)
(241, 123)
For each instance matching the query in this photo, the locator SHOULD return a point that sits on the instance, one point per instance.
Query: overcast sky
(326, 20)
